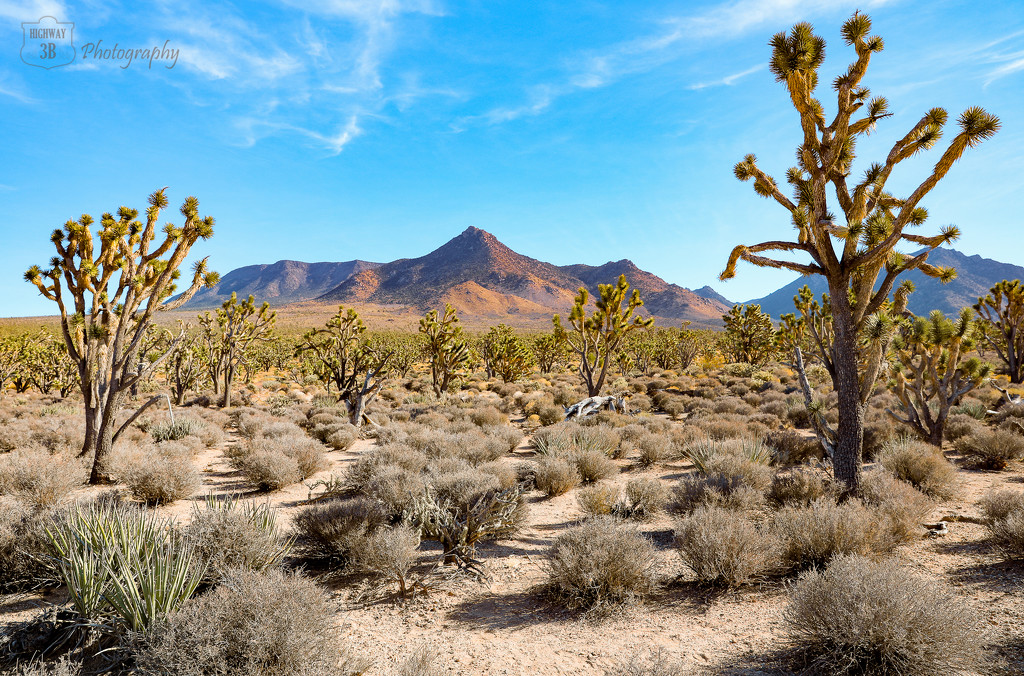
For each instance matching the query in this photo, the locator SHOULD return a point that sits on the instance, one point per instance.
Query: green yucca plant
(703, 452)
(122, 563)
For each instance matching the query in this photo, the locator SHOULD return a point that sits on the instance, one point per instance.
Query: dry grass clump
(655, 664)
(39, 478)
(960, 425)
(599, 499)
(394, 487)
(646, 497)
(1004, 512)
(603, 562)
(655, 448)
(550, 414)
(900, 507)
(593, 466)
(746, 459)
(991, 449)
(162, 478)
(723, 547)
(271, 463)
(730, 492)
(801, 486)
(862, 616)
(268, 470)
(813, 535)
(556, 476)
(488, 416)
(793, 448)
(269, 623)
(227, 534)
(338, 528)
(920, 464)
(342, 438)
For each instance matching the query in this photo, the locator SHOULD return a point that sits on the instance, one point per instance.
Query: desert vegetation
(835, 493)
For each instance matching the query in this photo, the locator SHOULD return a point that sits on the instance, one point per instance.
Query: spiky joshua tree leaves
(931, 374)
(856, 251)
(447, 347)
(108, 288)
(348, 360)
(1002, 311)
(595, 339)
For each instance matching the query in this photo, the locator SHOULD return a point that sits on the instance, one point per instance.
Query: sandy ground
(503, 625)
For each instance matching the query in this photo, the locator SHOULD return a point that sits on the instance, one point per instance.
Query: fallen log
(592, 405)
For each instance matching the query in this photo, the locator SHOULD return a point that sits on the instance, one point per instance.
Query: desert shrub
(723, 547)
(640, 402)
(462, 486)
(342, 438)
(862, 616)
(459, 520)
(336, 529)
(813, 535)
(39, 478)
(389, 553)
(792, 448)
(268, 470)
(228, 534)
(597, 500)
(488, 416)
(655, 448)
(602, 562)
(177, 430)
(991, 449)
(593, 466)
(744, 458)
(24, 547)
(268, 623)
(395, 488)
(655, 664)
(550, 414)
(999, 504)
(920, 464)
(878, 431)
(720, 490)
(64, 666)
(502, 471)
(365, 468)
(802, 486)
(250, 422)
(960, 425)
(1004, 512)
(555, 476)
(160, 479)
(899, 507)
(646, 497)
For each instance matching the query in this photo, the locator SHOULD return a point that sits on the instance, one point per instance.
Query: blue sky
(573, 131)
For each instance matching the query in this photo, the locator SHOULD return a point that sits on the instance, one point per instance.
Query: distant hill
(481, 276)
(279, 283)
(975, 276)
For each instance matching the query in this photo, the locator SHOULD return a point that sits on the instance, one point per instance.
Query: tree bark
(846, 382)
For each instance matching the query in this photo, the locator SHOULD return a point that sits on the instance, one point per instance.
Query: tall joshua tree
(596, 338)
(856, 251)
(446, 346)
(108, 289)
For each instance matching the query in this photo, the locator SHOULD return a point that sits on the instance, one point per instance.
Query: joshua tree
(931, 375)
(505, 354)
(749, 335)
(596, 338)
(447, 347)
(549, 349)
(108, 290)
(49, 366)
(231, 333)
(348, 360)
(187, 367)
(1002, 311)
(10, 362)
(852, 251)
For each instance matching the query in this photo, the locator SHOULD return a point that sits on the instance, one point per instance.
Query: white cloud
(32, 10)
(728, 80)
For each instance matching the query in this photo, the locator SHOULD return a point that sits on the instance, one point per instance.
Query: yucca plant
(122, 564)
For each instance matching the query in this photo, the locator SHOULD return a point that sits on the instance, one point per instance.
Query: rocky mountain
(279, 283)
(975, 276)
(481, 276)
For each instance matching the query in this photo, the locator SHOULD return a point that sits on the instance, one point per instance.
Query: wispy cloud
(674, 37)
(31, 10)
(728, 80)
